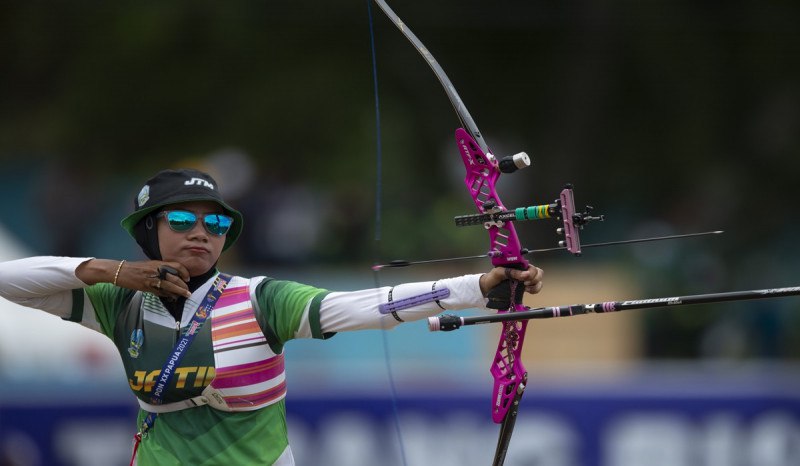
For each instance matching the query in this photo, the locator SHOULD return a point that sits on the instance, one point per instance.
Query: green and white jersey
(144, 333)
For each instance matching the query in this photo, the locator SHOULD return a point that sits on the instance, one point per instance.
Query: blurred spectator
(68, 199)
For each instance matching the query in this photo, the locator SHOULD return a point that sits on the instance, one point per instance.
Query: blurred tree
(684, 112)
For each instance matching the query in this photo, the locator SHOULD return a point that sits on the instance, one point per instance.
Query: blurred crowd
(668, 117)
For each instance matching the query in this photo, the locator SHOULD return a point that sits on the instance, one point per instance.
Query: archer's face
(196, 248)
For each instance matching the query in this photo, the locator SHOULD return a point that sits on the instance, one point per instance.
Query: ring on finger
(158, 284)
(164, 270)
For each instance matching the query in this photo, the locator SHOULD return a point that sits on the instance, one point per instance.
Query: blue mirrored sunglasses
(183, 220)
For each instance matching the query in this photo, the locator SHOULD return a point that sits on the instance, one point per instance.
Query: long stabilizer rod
(449, 322)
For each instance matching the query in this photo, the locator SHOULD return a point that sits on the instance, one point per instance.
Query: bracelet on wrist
(116, 274)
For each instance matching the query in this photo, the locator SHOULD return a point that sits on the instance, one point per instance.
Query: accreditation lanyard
(175, 357)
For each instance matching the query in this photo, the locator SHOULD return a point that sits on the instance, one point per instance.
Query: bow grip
(500, 296)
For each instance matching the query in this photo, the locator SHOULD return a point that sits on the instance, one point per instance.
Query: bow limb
(458, 105)
(482, 173)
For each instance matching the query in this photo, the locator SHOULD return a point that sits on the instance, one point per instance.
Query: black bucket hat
(183, 185)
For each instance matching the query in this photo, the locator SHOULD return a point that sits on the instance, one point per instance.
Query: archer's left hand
(531, 278)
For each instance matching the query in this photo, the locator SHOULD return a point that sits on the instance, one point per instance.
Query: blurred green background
(667, 116)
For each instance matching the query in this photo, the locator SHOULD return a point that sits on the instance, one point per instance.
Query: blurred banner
(658, 416)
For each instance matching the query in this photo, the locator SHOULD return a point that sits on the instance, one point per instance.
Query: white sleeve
(44, 282)
(357, 310)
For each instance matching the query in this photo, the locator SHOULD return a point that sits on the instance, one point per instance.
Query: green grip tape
(532, 212)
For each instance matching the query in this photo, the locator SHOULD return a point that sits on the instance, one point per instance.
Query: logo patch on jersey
(137, 340)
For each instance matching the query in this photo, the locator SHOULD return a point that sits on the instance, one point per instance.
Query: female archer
(203, 350)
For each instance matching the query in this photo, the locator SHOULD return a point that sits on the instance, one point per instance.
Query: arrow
(525, 251)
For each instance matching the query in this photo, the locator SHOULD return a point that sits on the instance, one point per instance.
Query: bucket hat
(169, 187)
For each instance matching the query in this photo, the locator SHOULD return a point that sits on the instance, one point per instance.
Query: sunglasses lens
(218, 224)
(180, 220)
